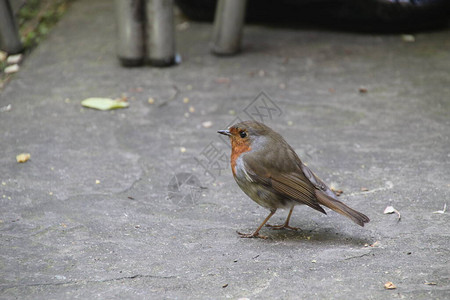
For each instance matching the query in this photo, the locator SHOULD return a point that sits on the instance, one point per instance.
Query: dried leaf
(391, 210)
(362, 89)
(441, 211)
(23, 157)
(104, 103)
(389, 286)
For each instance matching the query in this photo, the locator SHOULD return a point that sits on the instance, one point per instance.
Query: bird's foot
(251, 235)
(283, 226)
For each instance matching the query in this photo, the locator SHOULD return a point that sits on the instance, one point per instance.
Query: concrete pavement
(117, 205)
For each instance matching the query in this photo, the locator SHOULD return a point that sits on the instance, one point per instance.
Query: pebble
(207, 124)
(11, 69)
(409, 38)
(14, 59)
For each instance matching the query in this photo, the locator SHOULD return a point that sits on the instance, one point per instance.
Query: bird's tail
(341, 208)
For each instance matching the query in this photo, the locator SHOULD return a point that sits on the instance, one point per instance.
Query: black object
(357, 15)
(145, 32)
(9, 34)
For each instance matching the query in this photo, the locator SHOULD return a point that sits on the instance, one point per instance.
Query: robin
(269, 171)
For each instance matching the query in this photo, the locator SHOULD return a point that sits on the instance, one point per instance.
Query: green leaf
(104, 103)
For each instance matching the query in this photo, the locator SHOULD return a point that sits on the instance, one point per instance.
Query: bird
(268, 170)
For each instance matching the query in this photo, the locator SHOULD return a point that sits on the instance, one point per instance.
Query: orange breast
(237, 149)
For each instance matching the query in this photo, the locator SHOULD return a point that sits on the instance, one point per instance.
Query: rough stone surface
(96, 214)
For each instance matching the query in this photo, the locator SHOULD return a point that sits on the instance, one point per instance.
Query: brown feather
(341, 208)
(295, 188)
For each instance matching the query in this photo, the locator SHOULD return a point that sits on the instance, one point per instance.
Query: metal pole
(9, 34)
(228, 24)
(160, 33)
(130, 32)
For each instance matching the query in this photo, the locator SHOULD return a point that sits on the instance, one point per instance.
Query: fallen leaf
(362, 89)
(23, 157)
(441, 211)
(391, 210)
(104, 103)
(389, 286)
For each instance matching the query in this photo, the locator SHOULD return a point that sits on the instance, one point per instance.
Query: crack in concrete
(75, 282)
(358, 256)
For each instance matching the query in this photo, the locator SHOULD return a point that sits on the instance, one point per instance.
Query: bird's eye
(243, 134)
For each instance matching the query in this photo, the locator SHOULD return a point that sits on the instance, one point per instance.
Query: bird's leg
(256, 233)
(286, 224)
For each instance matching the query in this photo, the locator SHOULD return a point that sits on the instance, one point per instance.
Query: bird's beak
(224, 132)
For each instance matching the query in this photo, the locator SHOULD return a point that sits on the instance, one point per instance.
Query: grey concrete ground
(96, 214)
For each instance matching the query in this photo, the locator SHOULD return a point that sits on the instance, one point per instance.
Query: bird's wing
(317, 182)
(291, 185)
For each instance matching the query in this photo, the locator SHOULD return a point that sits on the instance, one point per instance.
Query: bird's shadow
(318, 235)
